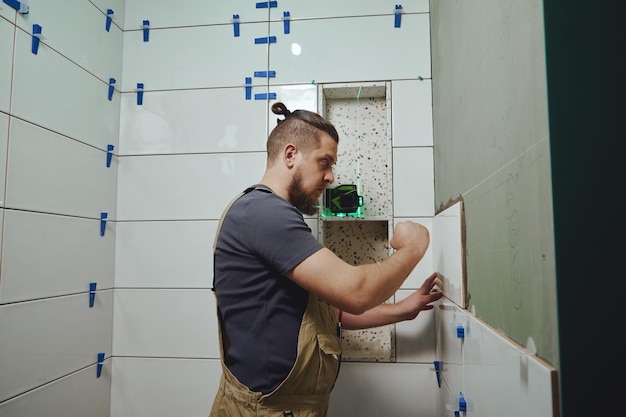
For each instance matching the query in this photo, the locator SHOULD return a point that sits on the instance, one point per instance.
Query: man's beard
(299, 198)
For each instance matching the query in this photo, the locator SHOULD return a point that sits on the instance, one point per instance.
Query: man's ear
(289, 155)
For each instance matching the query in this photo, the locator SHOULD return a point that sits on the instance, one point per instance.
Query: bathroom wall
(180, 148)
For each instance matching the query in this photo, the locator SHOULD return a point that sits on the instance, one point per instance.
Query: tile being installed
(448, 252)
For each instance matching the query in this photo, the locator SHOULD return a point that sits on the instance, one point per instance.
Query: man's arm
(406, 309)
(356, 289)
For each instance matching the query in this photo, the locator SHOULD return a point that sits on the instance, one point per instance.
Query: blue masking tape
(266, 4)
(265, 74)
(265, 96)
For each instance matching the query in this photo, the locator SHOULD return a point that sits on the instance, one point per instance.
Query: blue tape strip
(265, 96)
(398, 15)
(248, 88)
(139, 94)
(107, 26)
(236, 25)
(109, 154)
(111, 87)
(92, 293)
(268, 39)
(286, 23)
(146, 30)
(265, 74)
(35, 44)
(103, 222)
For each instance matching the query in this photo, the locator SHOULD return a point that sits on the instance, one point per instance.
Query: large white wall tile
(7, 37)
(448, 317)
(164, 387)
(48, 339)
(76, 395)
(77, 31)
(165, 323)
(348, 49)
(190, 121)
(46, 255)
(183, 186)
(412, 113)
(4, 137)
(165, 13)
(413, 182)
(449, 253)
(63, 97)
(424, 267)
(383, 389)
(194, 57)
(48, 172)
(415, 339)
(164, 254)
(332, 8)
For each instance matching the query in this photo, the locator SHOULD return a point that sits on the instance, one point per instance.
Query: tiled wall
(178, 158)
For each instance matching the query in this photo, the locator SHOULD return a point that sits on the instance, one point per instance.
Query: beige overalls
(306, 390)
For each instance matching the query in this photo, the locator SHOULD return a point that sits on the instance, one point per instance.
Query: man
(280, 292)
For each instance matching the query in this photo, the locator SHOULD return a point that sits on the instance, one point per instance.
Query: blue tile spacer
(268, 39)
(111, 88)
(265, 96)
(286, 23)
(460, 332)
(236, 25)
(139, 94)
(103, 222)
(266, 4)
(438, 372)
(36, 38)
(248, 88)
(146, 30)
(92, 293)
(109, 154)
(462, 403)
(265, 74)
(99, 366)
(107, 26)
(398, 15)
(21, 7)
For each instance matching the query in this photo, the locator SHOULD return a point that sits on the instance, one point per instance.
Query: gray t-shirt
(262, 238)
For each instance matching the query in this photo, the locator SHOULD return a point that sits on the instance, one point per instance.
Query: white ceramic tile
(6, 63)
(448, 252)
(412, 113)
(76, 395)
(189, 121)
(424, 267)
(118, 10)
(4, 137)
(85, 41)
(194, 57)
(48, 339)
(183, 186)
(413, 182)
(165, 323)
(331, 8)
(164, 13)
(349, 49)
(46, 255)
(64, 97)
(501, 378)
(295, 97)
(164, 254)
(164, 387)
(51, 173)
(383, 389)
(415, 339)
(448, 316)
